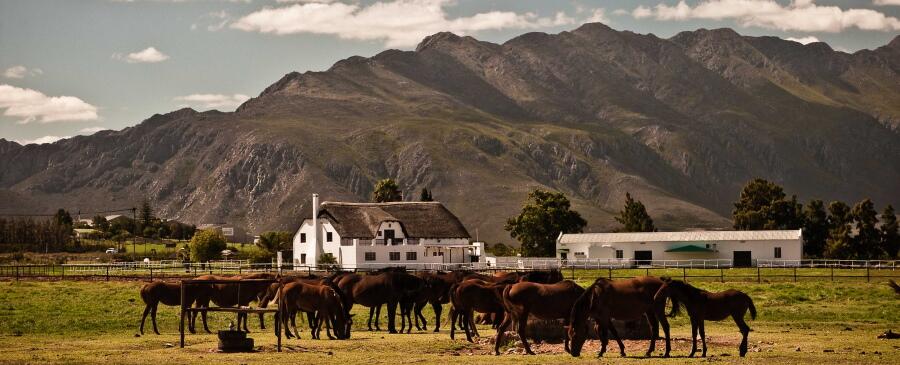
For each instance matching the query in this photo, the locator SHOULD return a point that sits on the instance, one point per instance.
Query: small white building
(738, 248)
(374, 235)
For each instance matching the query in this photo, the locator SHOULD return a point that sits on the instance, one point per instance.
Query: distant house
(86, 233)
(374, 235)
(742, 248)
(232, 233)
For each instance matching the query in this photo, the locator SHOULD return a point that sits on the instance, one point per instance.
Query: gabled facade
(374, 235)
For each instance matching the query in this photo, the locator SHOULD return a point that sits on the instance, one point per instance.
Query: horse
(229, 295)
(470, 296)
(703, 305)
(894, 286)
(505, 278)
(158, 292)
(543, 301)
(271, 294)
(627, 299)
(375, 290)
(325, 300)
(436, 293)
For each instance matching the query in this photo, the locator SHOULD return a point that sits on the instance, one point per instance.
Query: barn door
(742, 259)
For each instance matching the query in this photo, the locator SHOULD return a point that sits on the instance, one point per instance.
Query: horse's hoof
(529, 353)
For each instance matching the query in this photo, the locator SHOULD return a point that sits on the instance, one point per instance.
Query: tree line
(47, 234)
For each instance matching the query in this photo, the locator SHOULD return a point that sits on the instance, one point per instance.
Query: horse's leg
(153, 317)
(665, 326)
(371, 314)
(654, 333)
(500, 330)
(615, 333)
(566, 338)
(693, 337)
(378, 318)
(745, 330)
(243, 317)
(523, 324)
(452, 322)
(604, 338)
(392, 311)
(205, 325)
(471, 323)
(438, 308)
(262, 322)
(144, 317)
(469, 327)
(703, 335)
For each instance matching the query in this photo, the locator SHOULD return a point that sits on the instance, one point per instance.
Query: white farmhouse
(374, 235)
(739, 248)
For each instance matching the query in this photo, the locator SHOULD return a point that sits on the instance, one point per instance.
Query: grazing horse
(372, 291)
(627, 299)
(271, 294)
(702, 305)
(158, 292)
(473, 295)
(325, 300)
(436, 293)
(229, 295)
(543, 301)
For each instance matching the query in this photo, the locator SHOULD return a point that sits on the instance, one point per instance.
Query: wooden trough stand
(186, 309)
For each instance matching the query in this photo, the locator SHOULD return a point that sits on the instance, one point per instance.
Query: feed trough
(234, 341)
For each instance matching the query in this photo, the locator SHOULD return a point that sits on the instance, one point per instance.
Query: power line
(54, 214)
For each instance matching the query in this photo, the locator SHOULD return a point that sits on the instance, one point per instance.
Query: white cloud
(19, 72)
(598, 16)
(148, 55)
(398, 23)
(800, 15)
(886, 2)
(41, 140)
(31, 105)
(213, 101)
(620, 12)
(804, 40)
(91, 130)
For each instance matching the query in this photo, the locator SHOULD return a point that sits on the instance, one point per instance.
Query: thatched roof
(418, 219)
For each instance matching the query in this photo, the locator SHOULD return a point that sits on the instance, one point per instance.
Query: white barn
(740, 248)
(374, 235)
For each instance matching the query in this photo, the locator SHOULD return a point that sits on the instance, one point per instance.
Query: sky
(77, 67)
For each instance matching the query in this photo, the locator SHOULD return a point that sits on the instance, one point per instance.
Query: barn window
(777, 252)
(303, 238)
(328, 236)
(620, 254)
(370, 256)
(411, 256)
(394, 256)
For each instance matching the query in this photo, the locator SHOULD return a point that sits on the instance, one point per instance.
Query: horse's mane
(583, 304)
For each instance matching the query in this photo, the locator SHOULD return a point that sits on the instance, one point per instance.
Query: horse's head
(578, 328)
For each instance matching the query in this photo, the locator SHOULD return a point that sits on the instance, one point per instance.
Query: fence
(720, 270)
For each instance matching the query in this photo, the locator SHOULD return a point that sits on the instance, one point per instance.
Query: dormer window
(328, 236)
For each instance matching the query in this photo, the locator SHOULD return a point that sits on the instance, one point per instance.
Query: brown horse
(375, 290)
(894, 286)
(543, 301)
(271, 294)
(436, 293)
(473, 295)
(236, 294)
(627, 299)
(325, 300)
(702, 305)
(158, 292)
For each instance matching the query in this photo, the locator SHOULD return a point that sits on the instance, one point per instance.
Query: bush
(207, 245)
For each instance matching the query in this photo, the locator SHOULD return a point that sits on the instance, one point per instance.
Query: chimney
(315, 248)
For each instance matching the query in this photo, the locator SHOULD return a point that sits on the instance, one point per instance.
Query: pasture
(96, 322)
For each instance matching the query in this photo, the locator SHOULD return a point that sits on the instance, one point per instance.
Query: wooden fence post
(758, 278)
(684, 274)
(721, 275)
(151, 273)
(107, 272)
(795, 274)
(181, 324)
(610, 272)
(867, 271)
(63, 270)
(832, 272)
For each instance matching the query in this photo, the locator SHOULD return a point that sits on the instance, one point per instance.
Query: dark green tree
(274, 241)
(840, 234)
(890, 237)
(815, 228)
(146, 215)
(500, 249)
(544, 216)
(326, 259)
(634, 216)
(100, 223)
(867, 243)
(763, 205)
(425, 196)
(62, 218)
(207, 245)
(386, 190)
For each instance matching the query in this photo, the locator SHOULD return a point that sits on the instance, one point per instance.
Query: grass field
(96, 322)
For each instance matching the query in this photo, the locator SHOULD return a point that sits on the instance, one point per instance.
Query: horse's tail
(662, 294)
(676, 306)
(751, 307)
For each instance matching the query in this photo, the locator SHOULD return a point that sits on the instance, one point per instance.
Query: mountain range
(681, 123)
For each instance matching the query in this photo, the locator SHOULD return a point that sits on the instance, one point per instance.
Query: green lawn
(96, 322)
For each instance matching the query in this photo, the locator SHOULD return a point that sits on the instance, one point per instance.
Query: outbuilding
(729, 248)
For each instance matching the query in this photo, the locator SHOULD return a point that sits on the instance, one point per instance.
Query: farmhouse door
(742, 259)
(389, 237)
(643, 257)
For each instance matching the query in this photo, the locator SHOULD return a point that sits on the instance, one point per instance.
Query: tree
(425, 196)
(544, 216)
(146, 216)
(634, 216)
(839, 244)
(815, 228)
(500, 249)
(274, 241)
(327, 259)
(100, 223)
(386, 190)
(62, 218)
(890, 237)
(867, 243)
(207, 245)
(762, 205)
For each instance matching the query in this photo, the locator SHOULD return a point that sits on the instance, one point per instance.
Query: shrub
(207, 245)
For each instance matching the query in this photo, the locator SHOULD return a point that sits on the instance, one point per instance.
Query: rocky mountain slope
(681, 123)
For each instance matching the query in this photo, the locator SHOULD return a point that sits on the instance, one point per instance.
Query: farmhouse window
(302, 258)
(303, 238)
(394, 256)
(370, 256)
(620, 254)
(777, 252)
(328, 236)
(411, 256)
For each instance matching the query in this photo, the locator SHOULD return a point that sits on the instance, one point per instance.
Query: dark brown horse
(324, 300)
(703, 305)
(543, 301)
(473, 295)
(628, 299)
(232, 294)
(378, 289)
(158, 292)
(436, 293)
(894, 286)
